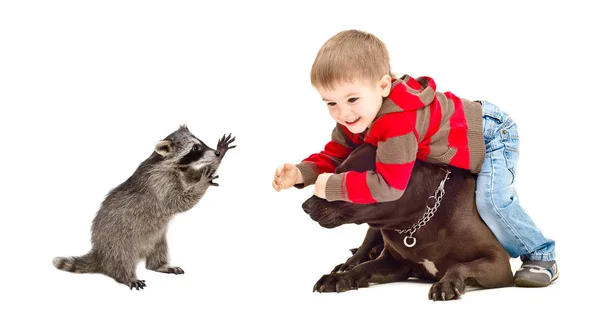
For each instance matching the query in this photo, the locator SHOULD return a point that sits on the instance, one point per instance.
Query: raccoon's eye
(195, 148)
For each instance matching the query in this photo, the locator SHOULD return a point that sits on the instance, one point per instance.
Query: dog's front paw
(343, 267)
(353, 261)
(446, 290)
(358, 257)
(340, 282)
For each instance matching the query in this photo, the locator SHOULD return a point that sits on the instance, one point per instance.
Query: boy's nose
(343, 115)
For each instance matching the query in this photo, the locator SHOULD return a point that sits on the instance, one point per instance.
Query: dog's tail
(77, 264)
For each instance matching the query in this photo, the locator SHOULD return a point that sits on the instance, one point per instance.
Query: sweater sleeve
(397, 148)
(335, 152)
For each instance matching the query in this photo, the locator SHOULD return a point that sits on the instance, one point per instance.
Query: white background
(86, 89)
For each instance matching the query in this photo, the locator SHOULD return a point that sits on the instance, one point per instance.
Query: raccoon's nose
(217, 153)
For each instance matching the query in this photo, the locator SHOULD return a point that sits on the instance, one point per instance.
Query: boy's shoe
(536, 274)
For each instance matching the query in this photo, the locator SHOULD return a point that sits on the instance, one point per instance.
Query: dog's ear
(361, 159)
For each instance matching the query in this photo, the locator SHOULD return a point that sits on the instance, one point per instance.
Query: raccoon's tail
(77, 264)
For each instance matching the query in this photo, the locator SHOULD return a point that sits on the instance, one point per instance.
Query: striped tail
(77, 264)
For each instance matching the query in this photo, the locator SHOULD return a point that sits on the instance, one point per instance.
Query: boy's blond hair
(350, 55)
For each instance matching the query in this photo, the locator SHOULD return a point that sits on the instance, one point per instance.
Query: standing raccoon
(132, 221)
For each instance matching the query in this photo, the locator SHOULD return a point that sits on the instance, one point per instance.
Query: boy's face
(355, 104)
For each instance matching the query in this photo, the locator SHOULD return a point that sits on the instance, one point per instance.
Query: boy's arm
(396, 155)
(335, 152)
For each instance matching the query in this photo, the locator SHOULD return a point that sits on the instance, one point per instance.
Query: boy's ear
(385, 85)
(164, 147)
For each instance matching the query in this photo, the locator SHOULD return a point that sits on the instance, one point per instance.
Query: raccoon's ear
(164, 147)
(184, 126)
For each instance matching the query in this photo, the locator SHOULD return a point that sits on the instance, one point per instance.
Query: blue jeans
(496, 196)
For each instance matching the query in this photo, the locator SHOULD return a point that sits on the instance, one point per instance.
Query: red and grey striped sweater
(414, 122)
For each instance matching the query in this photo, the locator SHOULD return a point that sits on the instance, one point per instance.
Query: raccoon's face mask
(183, 149)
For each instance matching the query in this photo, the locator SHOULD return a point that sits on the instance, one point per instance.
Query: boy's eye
(351, 100)
(331, 104)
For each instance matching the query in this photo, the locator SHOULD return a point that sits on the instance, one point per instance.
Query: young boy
(406, 119)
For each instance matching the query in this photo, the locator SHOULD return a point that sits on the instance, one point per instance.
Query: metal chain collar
(429, 212)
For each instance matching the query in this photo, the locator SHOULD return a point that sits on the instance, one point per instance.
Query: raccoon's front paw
(137, 284)
(223, 144)
(211, 182)
(208, 176)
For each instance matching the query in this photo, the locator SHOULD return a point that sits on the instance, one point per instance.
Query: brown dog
(454, 248)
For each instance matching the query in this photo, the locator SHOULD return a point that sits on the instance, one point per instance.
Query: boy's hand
(320, 184)
(286, 176)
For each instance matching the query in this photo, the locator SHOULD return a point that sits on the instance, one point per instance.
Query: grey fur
(132, 222)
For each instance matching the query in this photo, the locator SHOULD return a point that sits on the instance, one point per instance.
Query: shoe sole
(526, 283)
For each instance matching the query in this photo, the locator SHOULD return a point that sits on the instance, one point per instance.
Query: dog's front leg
(369, 250)
(487, 272)
(384, 269)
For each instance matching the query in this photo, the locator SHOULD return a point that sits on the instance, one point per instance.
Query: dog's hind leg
(487, 272)
(384, 269)
(369, 250)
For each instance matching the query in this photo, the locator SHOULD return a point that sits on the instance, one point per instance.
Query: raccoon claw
(138, 284)
(211, 183)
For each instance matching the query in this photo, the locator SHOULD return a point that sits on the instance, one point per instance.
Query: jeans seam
(498, 212)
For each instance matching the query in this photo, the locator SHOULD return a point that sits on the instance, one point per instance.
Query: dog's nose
(217, 153)
(305, 208)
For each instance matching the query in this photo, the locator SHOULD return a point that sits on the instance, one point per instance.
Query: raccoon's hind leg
(158, 260)
(121, 267)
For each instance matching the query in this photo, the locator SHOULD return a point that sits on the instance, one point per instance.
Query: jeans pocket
(491, 124)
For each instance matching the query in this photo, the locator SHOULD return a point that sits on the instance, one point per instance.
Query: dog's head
(423, 181)
(332, 214)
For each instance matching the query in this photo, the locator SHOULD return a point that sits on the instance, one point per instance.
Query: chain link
(430, 211)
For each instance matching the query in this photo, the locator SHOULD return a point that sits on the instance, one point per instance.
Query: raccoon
(131, 223)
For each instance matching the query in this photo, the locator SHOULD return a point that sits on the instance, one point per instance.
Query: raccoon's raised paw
(137, 284)
(223, 144)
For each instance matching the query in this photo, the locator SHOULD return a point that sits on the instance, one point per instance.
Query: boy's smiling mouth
(352, 121)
